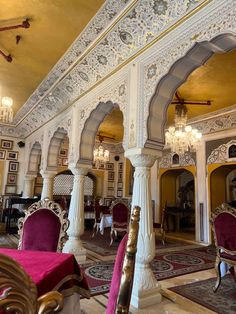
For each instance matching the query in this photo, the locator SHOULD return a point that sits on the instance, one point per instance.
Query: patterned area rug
(165, 265)
(223, 301)
(100, 244)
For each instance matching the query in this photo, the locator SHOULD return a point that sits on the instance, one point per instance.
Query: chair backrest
(43, 228)
(223, 220)
(123, 274)
(120, 213)
(19, 292)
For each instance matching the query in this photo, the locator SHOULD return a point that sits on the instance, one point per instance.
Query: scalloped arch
(54, 148)
(34, 158)
(90, 129)
(176, 76)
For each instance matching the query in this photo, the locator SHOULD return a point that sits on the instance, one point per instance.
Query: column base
(74, 246)
(146, 298)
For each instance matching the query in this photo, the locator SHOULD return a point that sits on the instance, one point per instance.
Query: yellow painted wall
(168, 184)
(217, 174)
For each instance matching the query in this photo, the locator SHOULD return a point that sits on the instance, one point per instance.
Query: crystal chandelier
(182, 137)
(6, 111)
(100, 155)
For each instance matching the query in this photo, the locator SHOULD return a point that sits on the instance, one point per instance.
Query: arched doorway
(220, 183)
(177, 196)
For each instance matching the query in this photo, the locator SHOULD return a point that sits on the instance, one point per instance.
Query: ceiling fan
(24, 24)
(181, 101)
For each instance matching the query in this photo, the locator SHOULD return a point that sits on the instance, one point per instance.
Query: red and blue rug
(165, 265)
(223, 301)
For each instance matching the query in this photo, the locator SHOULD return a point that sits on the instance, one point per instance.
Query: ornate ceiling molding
(145, 21)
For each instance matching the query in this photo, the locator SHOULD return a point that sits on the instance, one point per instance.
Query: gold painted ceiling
(54, 25)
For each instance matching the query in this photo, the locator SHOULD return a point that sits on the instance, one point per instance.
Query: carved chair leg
(111, 236)
(218, 272)
(94, 229)
(163, 237)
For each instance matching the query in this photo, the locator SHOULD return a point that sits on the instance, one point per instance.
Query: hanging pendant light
(100, 154)
(182, 137)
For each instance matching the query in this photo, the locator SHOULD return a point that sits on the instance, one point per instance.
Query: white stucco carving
(221, 154)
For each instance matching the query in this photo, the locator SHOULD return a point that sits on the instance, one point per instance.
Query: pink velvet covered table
(51, 270)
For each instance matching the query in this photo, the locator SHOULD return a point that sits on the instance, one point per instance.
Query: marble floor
(172, 303)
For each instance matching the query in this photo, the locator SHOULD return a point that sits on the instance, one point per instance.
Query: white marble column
(76, 216)
(146, 289)
(28, 190)
(48, 181)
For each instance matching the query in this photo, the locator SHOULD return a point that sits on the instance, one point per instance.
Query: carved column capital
(46, 174)
(142, 157)
(79, 169)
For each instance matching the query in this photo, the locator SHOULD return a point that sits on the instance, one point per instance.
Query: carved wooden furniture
(161, 226)
(13, 213)
(177, 213)
(120, 217)
(44, 227)
(123, 274)
(223, 220)
(20, 292)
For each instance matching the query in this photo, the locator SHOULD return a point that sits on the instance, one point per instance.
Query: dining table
(54, 271)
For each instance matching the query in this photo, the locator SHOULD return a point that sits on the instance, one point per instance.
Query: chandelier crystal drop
(100, 154)
(182, 137)
(6, 111)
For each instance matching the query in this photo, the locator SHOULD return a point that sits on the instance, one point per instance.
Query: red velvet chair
(123, 274)
(43, 228)
(99, 210)
(120, 217)
(223, 220)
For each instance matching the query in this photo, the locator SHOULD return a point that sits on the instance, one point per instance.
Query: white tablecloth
(106, 221)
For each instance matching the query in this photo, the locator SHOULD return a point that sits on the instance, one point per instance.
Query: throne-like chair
(44, 227)
(123, 274)
(120, 217)
(18, 292)
(223, 220)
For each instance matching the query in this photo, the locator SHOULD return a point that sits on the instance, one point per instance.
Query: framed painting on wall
(10, 189)
(12, 155)
(63, 152)
(119, 193)
(120, 166)
(6, 144)
(11, 178)
(2, 154)
(111, 175)
(109, 166)
(13, 166)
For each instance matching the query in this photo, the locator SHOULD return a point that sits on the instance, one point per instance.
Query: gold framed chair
(19, 292)
(123, 274)
(44, 227)
(223, 221)
(160, 227)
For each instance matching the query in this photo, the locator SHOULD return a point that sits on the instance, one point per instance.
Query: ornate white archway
(176, 76)
(34, 158)
(54, 148)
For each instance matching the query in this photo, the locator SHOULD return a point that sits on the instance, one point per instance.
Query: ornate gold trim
(53, 207)
(20, 292)
(126, 284)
